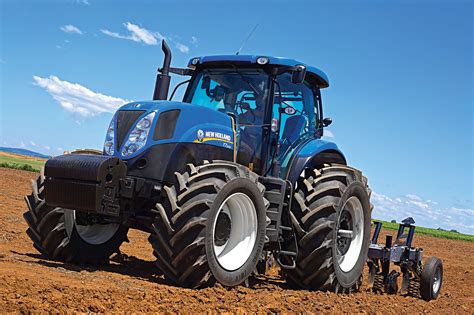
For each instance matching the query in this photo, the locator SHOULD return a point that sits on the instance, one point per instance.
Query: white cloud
(32, 143)
(113, 34)
(418, 204)
(182, 48)
(137, 34)
(413, 197)
(71, 29)
(22, 144)
(60, 149)
(328, 133)
(78, 99)
(86, 2)
(142, 35)
(426, 213)
(47, 147)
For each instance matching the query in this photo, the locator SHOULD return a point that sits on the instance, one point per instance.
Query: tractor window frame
(319, 112)
(258, 160)
(311, 112)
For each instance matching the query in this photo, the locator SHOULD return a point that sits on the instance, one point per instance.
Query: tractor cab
(274, 102)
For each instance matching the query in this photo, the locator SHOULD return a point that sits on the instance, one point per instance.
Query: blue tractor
(233, 176)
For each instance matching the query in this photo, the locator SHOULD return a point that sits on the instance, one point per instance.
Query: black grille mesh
(125, 120)
(166, 125)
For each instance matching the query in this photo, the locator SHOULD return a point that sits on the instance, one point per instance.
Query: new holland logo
(204, 136)
(200, 135)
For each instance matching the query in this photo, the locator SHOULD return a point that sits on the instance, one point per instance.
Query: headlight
(109, 143)
(138, 136)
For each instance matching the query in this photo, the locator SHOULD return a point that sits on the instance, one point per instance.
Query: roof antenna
(245, 41)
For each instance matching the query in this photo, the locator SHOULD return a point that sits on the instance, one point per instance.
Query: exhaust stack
(163, 78)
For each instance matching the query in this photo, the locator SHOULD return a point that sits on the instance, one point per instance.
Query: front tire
(210, 226)
(56, 234)
(331, 214)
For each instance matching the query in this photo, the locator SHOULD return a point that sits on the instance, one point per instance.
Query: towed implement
(417, 279)
(234, 174)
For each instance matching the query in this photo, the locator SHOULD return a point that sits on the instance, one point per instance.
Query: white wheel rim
(235, 246)
(94, 234)
(437, 281)
(350, 234)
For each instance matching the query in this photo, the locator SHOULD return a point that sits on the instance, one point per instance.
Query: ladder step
(285, 228)
(274, 193)
(288, 253)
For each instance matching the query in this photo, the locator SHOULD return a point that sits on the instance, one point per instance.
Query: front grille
(125, 121)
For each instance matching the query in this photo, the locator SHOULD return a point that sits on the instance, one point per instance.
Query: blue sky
(401, 75)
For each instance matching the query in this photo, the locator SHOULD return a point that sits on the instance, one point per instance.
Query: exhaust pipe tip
(167, 61)
(163, 79)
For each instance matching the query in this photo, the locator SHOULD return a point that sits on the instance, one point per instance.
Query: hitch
(416, 279)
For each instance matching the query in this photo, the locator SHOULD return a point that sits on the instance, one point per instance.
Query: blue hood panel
(195, 124)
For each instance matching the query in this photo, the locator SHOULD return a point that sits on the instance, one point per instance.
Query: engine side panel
(181, 133)
(194, 124)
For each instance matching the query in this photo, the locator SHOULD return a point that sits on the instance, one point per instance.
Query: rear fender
(312, 154)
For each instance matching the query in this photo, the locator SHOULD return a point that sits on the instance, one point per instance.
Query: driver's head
(219, 93)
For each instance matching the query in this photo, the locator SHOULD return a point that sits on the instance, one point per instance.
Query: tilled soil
(30, 282)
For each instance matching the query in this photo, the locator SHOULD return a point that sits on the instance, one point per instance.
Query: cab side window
(297, 105)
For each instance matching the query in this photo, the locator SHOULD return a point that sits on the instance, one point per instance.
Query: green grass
(453, 235)
(21, 164)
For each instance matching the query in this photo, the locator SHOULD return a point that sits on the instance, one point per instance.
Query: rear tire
(331, 215)
(210, 225)
(431, 279)
(55, 234)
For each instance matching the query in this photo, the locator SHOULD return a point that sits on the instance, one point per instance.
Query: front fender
(312, 153)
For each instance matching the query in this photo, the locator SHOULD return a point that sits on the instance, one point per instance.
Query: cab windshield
(238, 91)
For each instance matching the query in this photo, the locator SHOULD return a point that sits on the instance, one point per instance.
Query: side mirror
(298, 75)
(327, 121)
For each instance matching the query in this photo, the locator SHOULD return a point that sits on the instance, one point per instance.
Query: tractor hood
(173, 122)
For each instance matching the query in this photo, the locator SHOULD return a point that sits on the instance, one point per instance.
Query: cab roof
(316, 74)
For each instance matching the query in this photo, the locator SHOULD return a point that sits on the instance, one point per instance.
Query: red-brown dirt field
(30, 282)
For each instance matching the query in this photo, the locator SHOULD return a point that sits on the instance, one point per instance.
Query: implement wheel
(431, 279)
(210, 226)
(331, 215)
